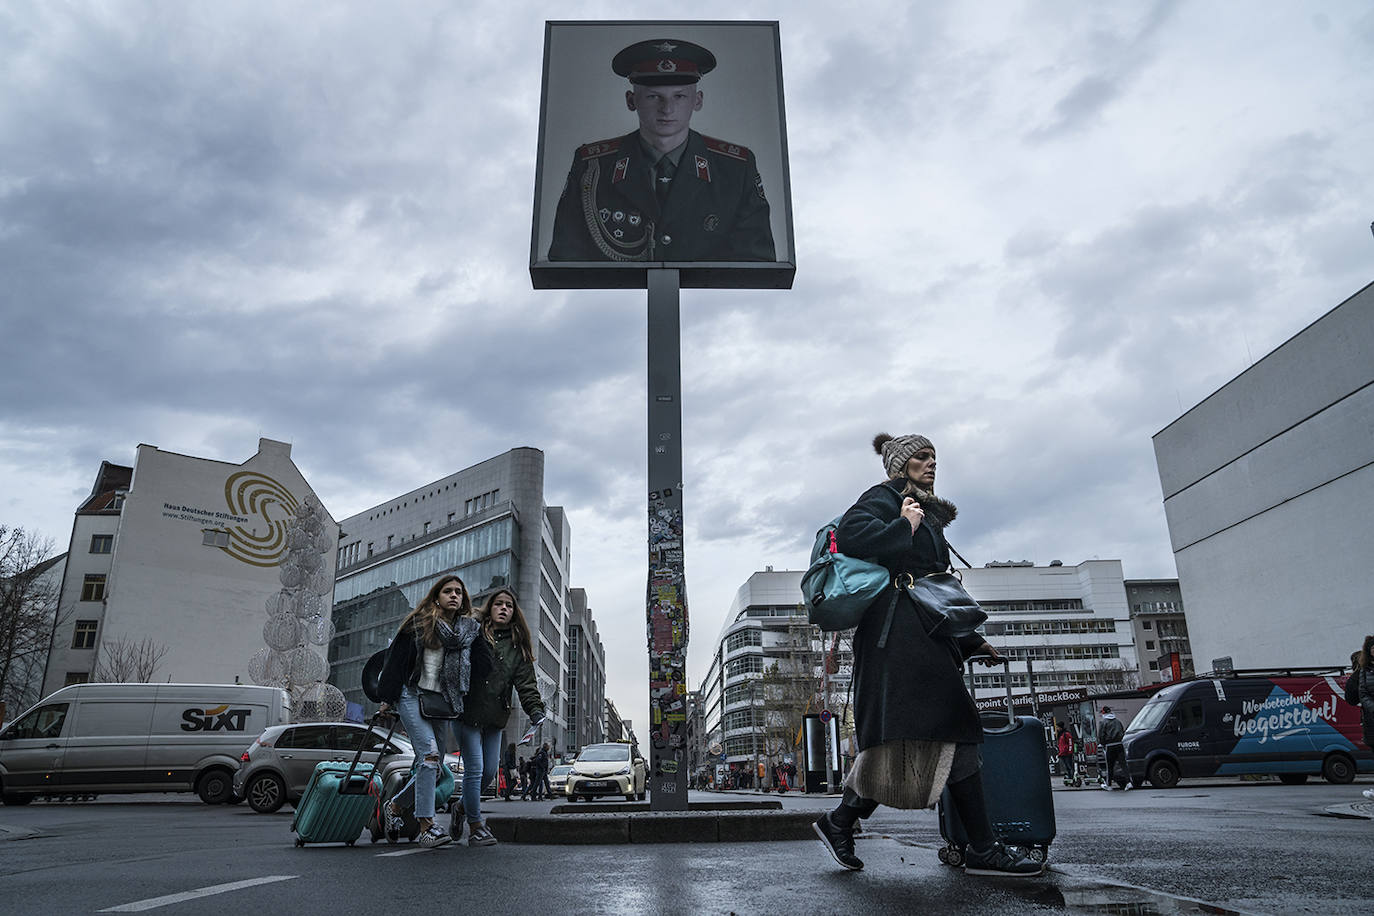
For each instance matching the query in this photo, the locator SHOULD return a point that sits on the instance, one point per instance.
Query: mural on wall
(252, 527)
(298, 618)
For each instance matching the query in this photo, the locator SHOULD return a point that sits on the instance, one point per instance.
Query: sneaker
(1126, 787)
(1368, 793)
(999, 860)
(839, 843)
(435, 837)
(391, 816)
(480, 835)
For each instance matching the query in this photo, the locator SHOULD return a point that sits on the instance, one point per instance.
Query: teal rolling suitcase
(338, 801)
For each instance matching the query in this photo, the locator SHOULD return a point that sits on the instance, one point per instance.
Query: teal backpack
(837, 589)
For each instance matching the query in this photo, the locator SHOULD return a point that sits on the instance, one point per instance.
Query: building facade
(489, 524)
(585, 687)
(1064, 628)
(768, 670)
(1160, 630)
(1266, 488)
(172, 563)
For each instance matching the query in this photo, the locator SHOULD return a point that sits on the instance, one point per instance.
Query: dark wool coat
(488, 700)
(1366, 695)
(912, 688)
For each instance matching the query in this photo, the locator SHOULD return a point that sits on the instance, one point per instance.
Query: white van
(91, 738)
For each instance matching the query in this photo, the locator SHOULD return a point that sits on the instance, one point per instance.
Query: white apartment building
(1067, 627)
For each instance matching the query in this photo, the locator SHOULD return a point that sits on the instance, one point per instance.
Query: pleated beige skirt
(902, 774)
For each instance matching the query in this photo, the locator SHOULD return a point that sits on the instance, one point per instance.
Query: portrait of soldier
(663, 192)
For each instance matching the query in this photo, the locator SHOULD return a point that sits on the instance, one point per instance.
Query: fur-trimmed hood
(940, 512)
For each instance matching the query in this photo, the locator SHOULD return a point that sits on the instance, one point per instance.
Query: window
(102, 543)
(76, 677)
(388, 541)
(1145, 624)
(118, 501)
(749, 637)
(348, 737)
(93, 588)
(451, 515)
(214, 537)
(84, 637)
(369, 548)
(43, 722)
(1190, 715)
(1154, 666)
(307, 736)
(1149, 643)
(426, 528)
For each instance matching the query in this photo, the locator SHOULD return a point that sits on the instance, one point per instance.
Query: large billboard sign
(662, 145)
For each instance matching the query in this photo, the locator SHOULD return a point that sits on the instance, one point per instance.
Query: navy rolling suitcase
(338, 800)
(1016, 784)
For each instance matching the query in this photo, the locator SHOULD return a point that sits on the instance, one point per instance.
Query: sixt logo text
(221, 718)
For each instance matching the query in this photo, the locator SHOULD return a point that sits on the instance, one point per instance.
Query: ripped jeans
(429, 737)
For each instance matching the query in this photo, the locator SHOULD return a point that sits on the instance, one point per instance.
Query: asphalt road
(1238, 847)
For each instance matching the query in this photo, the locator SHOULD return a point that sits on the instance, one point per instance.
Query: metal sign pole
(666, 599)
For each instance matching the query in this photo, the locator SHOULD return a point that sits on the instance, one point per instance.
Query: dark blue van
(1290, 725)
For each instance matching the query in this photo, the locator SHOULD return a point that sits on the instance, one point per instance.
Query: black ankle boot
(839, 841)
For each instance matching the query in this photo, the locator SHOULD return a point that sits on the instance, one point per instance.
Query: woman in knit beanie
(916, 726)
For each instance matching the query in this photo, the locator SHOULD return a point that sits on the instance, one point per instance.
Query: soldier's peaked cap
(663, 61)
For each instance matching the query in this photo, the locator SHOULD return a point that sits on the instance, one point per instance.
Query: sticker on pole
(826, 715)
(716, 748)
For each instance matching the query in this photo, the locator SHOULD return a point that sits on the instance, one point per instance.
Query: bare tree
(1107, 676)
(123, 661)
(28, 610)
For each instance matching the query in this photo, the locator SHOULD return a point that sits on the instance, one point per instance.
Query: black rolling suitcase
(1016, 784)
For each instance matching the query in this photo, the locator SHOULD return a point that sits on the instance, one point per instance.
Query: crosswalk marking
(152, 903)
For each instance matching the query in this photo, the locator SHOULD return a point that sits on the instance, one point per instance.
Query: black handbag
(948, 609)
(434, 705)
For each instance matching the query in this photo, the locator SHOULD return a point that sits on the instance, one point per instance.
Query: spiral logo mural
(271, 508)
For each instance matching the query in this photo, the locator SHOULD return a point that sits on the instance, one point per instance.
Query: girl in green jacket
(486, 708)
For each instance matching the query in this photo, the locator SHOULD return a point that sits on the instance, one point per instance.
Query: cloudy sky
(1035, 233)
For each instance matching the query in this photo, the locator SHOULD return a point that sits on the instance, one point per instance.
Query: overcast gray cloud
(1036, 234)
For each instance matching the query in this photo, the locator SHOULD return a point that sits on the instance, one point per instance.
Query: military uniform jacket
(715, 210)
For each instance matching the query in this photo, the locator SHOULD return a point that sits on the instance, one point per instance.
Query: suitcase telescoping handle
(348, 785)
(1006, 679)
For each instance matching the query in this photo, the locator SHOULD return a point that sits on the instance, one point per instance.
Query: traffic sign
(825, 715)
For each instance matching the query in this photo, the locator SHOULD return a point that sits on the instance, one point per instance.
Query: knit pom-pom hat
(897, 451)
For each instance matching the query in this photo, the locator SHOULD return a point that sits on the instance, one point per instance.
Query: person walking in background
(433, 652)
(544, 768)
(1110, 731)
(524, 772)
(488, 703)
(509, 771)
(539, 768)
(1065, 751)
(1363, 675)
(917, 728)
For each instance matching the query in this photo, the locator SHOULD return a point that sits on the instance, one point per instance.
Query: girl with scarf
(433, 650)
(916, 725)
(488, 704)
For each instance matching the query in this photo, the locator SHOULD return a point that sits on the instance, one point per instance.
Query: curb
(1355, 810)
(16, 833)
(594, 828)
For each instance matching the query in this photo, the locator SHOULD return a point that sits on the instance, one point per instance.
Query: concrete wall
(1267, 490)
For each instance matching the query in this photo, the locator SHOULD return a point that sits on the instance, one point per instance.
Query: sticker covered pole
(666, 598)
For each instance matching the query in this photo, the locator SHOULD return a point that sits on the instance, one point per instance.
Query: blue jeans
(481, 750)
(428, 737)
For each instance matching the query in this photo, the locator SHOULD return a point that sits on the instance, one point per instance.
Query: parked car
(90, 738)
(607, 769)
(558, 778)
(275, 768)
